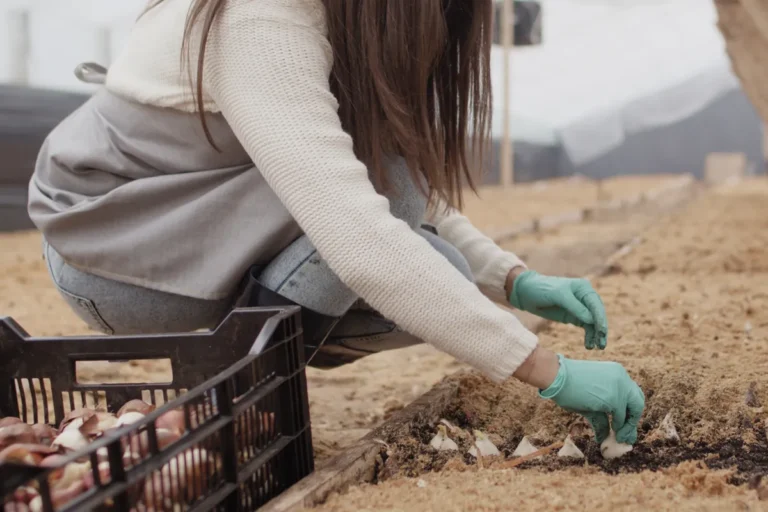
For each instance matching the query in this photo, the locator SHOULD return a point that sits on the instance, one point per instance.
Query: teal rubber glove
(595, 389)
(564, 300)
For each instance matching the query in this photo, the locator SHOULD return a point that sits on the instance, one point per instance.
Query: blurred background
(603, 112)
(596, 88)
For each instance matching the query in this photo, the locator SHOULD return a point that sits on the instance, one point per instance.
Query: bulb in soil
(483, 446)
(441, 442)
(70, 441)
(450, 426)
(18, 433)
(667, 427)
(127, 418)
(456, 433)
(526, 447)
(666, 432)
(612, 449)
(569, 449)
(453, 429)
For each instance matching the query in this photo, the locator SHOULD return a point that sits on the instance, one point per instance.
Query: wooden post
(18, 45)
(104, 46)
(507, 40)
(764, 169)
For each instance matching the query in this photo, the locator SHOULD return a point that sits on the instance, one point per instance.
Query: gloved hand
(595, 389)
(564, 300)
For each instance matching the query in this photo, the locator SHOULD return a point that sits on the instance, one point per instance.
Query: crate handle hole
(134, 371)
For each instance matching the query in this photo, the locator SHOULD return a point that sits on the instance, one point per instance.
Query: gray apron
(135, 193)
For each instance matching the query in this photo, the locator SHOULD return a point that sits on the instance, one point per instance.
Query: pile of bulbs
(482, 446)
(45, 446)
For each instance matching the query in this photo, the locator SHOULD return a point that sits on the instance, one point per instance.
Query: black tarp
(26, 117)
(527, 21)
(728, 124)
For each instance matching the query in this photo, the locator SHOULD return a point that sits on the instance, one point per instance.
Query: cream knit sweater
(267, 69)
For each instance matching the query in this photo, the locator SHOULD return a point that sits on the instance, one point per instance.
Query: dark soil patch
(412, 456)
(747, 460)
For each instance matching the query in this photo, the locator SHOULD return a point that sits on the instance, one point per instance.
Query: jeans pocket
(83, 307)
(86, 310)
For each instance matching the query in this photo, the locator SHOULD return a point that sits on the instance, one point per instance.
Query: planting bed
(688, 316)
(371, 390)
(348, 402)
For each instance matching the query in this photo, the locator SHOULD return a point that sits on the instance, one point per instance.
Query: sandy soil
(384, 383)
(688, 313)
(686, 488)
(347, 402)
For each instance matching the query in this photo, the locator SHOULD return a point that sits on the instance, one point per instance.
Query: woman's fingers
(591, 337)
(587, 295)
(595, 306)
(576, 312)
(579, 313)
(627, 432)
(564, 300)
(600, 425)
(619, 418)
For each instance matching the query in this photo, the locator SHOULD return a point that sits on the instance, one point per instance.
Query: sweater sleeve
(490, 263)
(270, 78)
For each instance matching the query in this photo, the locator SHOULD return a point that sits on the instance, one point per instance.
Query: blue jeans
(113, 307)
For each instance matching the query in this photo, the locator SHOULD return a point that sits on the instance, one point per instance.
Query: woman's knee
(451, 253)
(299, 274)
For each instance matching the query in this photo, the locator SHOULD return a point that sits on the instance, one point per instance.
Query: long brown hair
(412, 79)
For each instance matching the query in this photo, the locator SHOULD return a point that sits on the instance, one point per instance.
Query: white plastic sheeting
(607, 69)
(610, 68)
(62, 34)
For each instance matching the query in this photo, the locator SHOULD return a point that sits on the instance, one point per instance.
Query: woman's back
(131, 172)
(135, 192)
(149, 69)
(319, 110)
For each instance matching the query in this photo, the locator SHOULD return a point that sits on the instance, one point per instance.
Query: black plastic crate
(241, 387)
